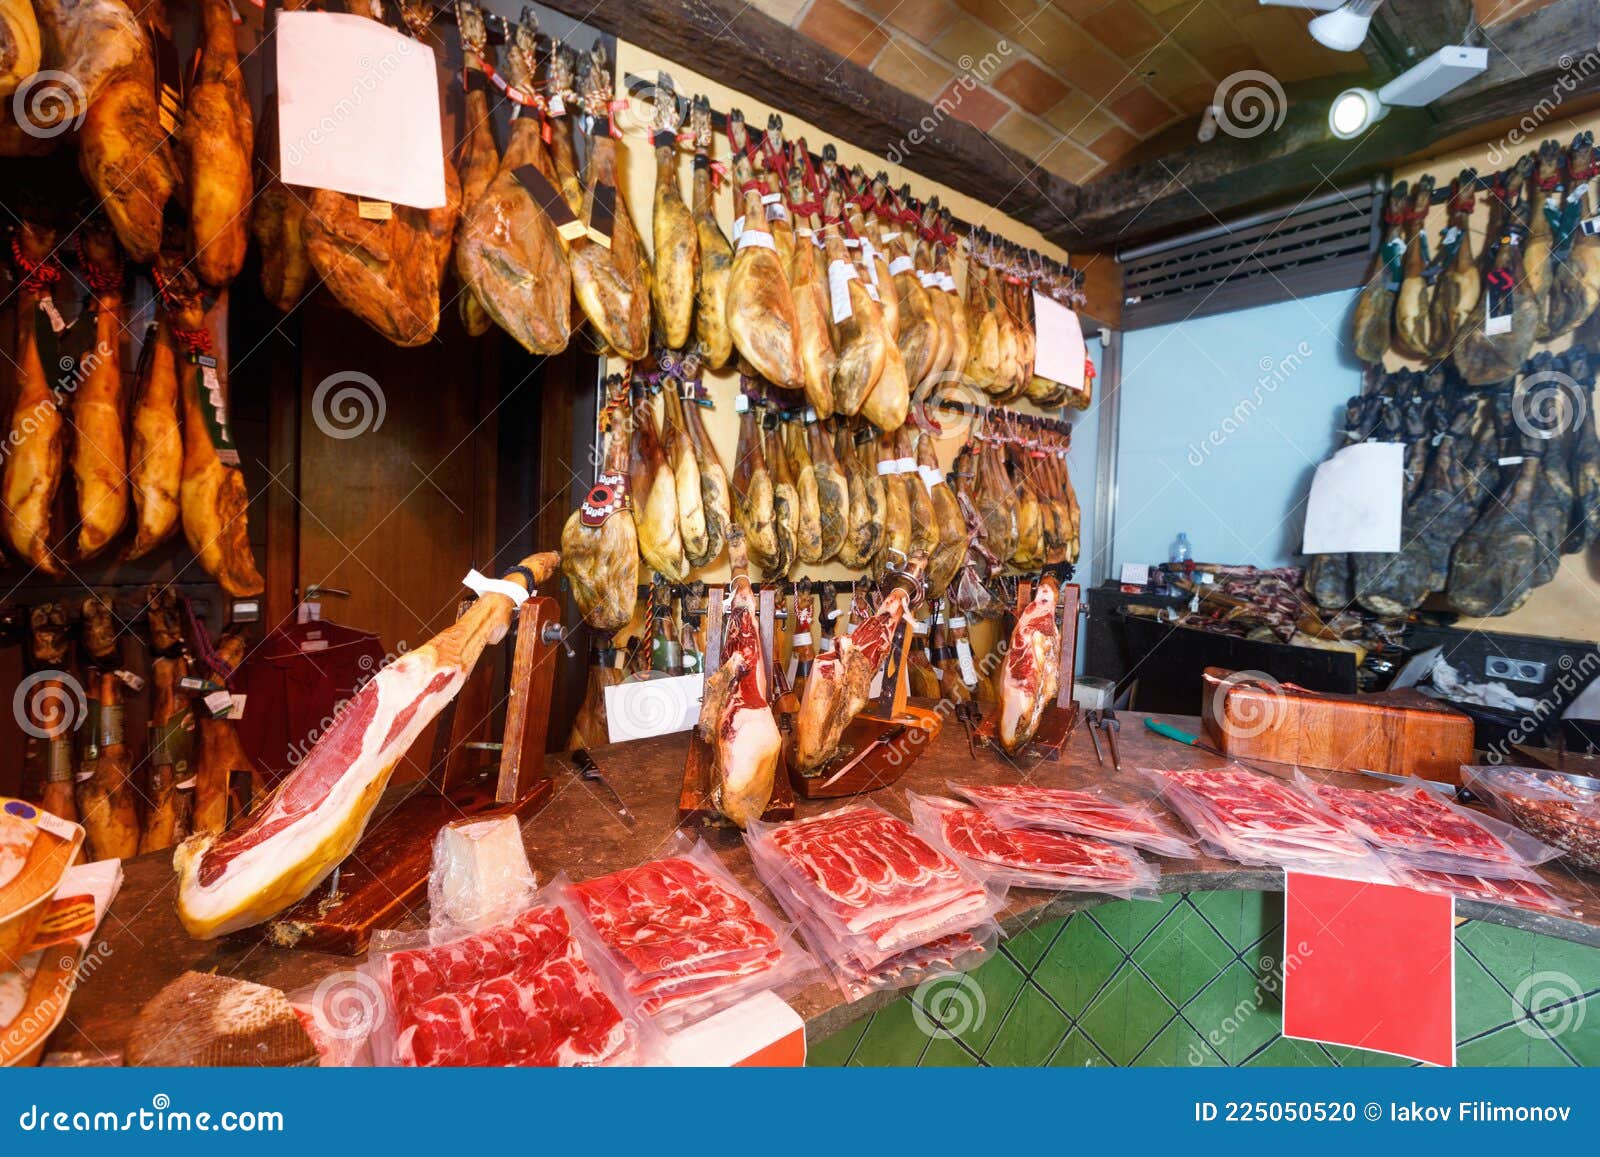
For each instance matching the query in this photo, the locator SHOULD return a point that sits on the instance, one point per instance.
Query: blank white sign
(358, 109)
(1060, 353)
(660, 705)
(1356, 499)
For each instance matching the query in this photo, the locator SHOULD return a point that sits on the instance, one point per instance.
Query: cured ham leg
(479, 158)
(810, 292)
(33, 467)
(714, 497)
(840, 680)
(48, 769)
(1032, 673)
(19, 44)
(675, 261)
(735, 713)
(316, 816)
(600, 543)
(509, 249)
(716, 255)
(220, 754)
(155, 460)
(655, 495)
(106, 803)
(212, 496)
(165, 819)
(761, 309)
(99, 453)
(753, 497)
(215, 148)
(686, 479)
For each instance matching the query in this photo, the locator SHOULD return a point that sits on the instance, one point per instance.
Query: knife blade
(589, 771)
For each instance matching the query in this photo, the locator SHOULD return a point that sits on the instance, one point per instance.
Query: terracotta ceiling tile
(1225, 60)
(1157, 7)
(919, 19)
(1193, 101)
(912, 69)
(1095, 71)
(1028, 136)
(1030, 86)
(1078, 9)
(1080, 118)
(1067, 160)
(1113, 145)
(1053, 38)
(853, 35)
(1184, 14)
(1170, 71)
(966, 42)
(780, 10)
(1142, 111)
(979, 107)
(1001, 15)
(1124, 29)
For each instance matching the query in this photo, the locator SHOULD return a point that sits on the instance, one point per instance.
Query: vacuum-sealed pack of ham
(1415, 827)
(1032, 857)
(877, 902)
(531, 991)
(1089, 810)
(687, 939)
(1259, 819)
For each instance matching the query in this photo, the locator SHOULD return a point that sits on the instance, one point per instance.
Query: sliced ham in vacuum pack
(1091, 810)
(687, 939)
(1558, 807)
(1518, 893)
(1032, 857)
(1259, 819)
(531, 991)
(1415, 827)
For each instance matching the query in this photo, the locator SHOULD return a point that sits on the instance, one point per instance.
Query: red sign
(1370, 966)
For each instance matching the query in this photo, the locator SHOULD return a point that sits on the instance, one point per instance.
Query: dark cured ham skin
(310, 783)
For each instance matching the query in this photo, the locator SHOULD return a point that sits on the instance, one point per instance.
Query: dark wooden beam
(1406, 31)
(1539, 63)
(753, 53)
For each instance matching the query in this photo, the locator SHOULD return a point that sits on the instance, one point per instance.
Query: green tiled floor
(1196, 980)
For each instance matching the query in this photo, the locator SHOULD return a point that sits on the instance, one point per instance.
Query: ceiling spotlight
(1345, 28)
(1355, 110)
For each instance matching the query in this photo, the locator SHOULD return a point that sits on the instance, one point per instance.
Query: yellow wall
(1569, 605)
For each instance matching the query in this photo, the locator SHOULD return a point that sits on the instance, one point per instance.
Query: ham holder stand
(1060, 717)
(377, 883)
(880, 744)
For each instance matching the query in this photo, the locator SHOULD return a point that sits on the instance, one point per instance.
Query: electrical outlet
(1511, 670)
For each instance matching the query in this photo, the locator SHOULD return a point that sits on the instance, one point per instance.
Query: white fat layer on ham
(256, 869)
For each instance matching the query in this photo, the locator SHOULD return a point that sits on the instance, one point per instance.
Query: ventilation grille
(1316, 246)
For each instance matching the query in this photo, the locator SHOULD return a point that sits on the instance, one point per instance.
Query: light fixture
(1344, 28)
(1319, 5)
(1355, 110)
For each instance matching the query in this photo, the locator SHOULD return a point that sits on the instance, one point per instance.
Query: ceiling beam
(1537, 63)
(753, 53)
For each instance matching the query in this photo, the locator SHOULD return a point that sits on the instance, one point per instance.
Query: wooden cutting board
(1398, 732)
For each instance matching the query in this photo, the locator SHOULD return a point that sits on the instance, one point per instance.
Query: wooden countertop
(578, 834)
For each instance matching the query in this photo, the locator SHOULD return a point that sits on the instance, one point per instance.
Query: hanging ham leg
(1032, 673)
(837, 690)
(33, 467)
(212, 494)
(19, 44)
(655, 497)
(106, 803)
(676, 255)
(716, 255)
(215, 148)
(155, 459)
(686, 479)
(316, 816)
(99, 453)
(600, 544)
(735, 713)
(715, 501)
(753, 492)
(165, 822)
(761, 309)
(833, 495)
(479, 158)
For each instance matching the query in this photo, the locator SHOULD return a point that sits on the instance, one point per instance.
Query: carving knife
(589, 771)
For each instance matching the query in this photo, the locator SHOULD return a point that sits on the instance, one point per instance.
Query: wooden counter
(143, 947)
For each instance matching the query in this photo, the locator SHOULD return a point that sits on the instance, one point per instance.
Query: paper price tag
(900, 265)
(839, 275)
(756, 238)
(220, 704)
(374, 210)
(931, 477)
(969, 672)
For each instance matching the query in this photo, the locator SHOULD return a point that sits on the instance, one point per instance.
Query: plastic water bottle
(1181, 550)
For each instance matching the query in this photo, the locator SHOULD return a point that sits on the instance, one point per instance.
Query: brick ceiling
(1078, 84)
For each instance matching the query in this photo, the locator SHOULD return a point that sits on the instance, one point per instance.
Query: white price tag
(899, 265)
(839, 275)
(758, 238)
(969, 672)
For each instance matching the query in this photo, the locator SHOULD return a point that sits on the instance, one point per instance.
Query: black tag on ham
(169, 81)
(545, 195)
(608, 495)
(603, 218)
(475, 81)
(1498, 306)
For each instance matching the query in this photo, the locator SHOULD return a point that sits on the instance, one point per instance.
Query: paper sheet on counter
(1061, 351)
(1356, 499)
(358, 109)
(662, 705)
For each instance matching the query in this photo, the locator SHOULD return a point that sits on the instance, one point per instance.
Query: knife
(1182, 736)
(1460, 793)
(589, 771)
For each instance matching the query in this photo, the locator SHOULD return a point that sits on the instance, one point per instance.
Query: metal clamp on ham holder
(469, 776)
(1056, 719)
(881, 743)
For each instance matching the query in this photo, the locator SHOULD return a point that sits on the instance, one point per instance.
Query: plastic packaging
(1087, 810)
(1416, 827)
(1516, 892)
(1259, 819)
(534, 990)
(1032, 857)
(867, 890)
(480, 874)
(1560, 809)
(687, 939)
